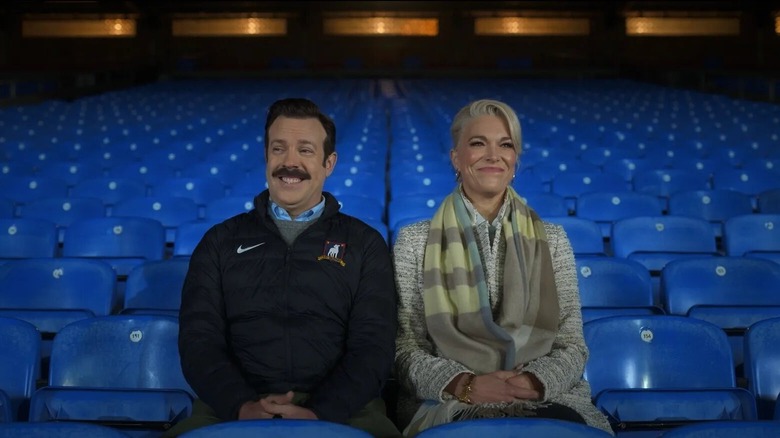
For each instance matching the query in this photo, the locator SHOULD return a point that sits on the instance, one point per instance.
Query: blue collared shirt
(308, 215)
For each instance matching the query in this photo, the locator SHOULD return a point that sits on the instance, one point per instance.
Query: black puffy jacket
(258, 316)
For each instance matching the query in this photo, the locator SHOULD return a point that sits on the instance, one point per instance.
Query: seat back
(584, 235)
(27, 237)
(155, 287)
(762, 362)
(118, 351)
(280, 428)
(362, 207)
(726, 429)
(608, 206)
(109, 190)
(115, 237)
(20, 348)
(59, 430)
(200, 190)
(613, 282)
(188, 235)
(656, 352)
(752, 233)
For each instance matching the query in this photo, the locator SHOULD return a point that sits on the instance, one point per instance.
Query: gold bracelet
(464, 396)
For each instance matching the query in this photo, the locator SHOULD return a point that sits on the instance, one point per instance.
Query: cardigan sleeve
(419, 370)
(562, 368)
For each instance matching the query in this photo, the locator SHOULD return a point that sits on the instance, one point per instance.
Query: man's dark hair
(300, 108)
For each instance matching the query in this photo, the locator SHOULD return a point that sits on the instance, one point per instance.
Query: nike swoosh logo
(241, 249)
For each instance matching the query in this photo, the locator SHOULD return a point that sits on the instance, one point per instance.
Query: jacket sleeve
(367, 361)
(562, 368)
(203, 345)
(419, 370)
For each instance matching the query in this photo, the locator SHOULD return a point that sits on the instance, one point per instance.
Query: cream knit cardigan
(424, 374)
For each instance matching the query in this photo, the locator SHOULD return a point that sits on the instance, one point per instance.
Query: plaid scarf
(455, 292)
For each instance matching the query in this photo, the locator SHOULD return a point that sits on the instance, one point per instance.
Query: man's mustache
(290, 172)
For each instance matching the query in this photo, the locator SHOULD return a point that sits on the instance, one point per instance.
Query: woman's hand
(495, 387)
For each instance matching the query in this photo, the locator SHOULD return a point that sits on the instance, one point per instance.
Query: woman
(490, 323)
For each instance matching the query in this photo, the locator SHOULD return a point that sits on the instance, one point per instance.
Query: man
(289, 310)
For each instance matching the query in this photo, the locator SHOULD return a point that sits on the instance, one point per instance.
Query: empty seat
(715, 206)
(769, 201)
(27, 237)
(109, 190)
(225, 208)
(155, 287)
(123, 242)
(606, 207)
(762, 362)
(7, 208)
(277, 428)
(170, 211)
(612, 286)
(511, 428)
(572, 185)
(63, 211)
(20, 347)
(412, 207)
(748, 181)
(188, 235)
(546, 204)
(200, 190)
(584, 235)
(730, 292)
(362, 184)
(24, 189)
(426, 184)
(666, 182)
(657, 371)
(116, 370)
(58, 430)
(753, 235)
(362, 207)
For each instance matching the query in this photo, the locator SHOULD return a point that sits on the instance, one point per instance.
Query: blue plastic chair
(70, 172)
(607, 207)
(188, 235)
(63, 211)
(225, 208)
(654, 241)
(53, 292)
(119, 370)
(715, 206)
(20, 347)
(730, 292)
(7, 208)
(26, 238)
(658, 371)
(427, 184)
(748, 181)
(155, 287)
(572, 185)
(371, 185)
(421, 206)
(123, 242)
(58, 430)
(546, 204)
(762, 362)
(170, 211)
(280, 428)
(769, 201)
(200, 190)
(362, 207)
(753, 235)
(726, 429)
(24, 189)
(109, 190)
(612, 286)
(513, 427)
(584, 235)
(663, 183)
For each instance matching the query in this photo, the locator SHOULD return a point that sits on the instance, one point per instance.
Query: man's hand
(282, 405)
(256, 410)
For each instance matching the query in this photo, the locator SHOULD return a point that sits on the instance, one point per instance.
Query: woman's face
(485, 156)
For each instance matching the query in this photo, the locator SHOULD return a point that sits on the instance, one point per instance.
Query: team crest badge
(333, 251)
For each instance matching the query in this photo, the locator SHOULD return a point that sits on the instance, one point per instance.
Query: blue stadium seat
(277, 428)
(170, 211)
(58, 430)
(123, 242)
(749, 181)
(188, 235)
(53, 292)
(201, 190)
(726, 429)
(63, 211)
(548, 170)
(427, 184)
(526, 182)
(655, 240)
(511, 428)
(20, 347)
(155, 287)
(611, 286)
(663, 183)
(24, 189)
(70, 172)
(7, 208)
(715, 206)
(584, 235)
(412, 207)
(753, 235)
(572, 185)
(762, 362)
(27, 237)
(362, 207)
(227, 207)
(119, 370)
(250, 185)
(546, 204)
(109, 190)
(606, 207)
(730, 292)
(659, 371)
(144, 172)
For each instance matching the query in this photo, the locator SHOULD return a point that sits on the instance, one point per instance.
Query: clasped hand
(275, 405)
(503, 386)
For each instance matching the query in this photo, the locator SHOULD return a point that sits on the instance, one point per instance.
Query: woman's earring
(457, 175)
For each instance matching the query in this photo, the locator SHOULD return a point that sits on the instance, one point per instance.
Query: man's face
(294, 168)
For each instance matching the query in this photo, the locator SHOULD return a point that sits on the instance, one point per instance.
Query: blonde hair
(488, 107)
